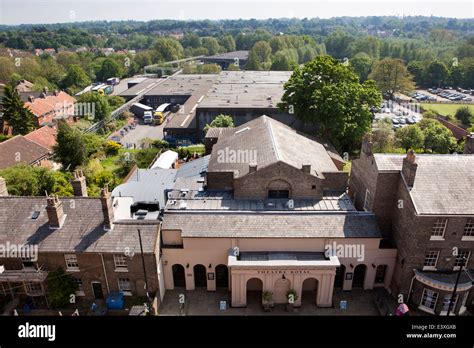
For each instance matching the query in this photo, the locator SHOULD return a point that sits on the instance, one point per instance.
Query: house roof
(82, 230)
(443, 183)
(272, 225)
(270, 141)
(44, 136)
(50, 103)
(19, 149)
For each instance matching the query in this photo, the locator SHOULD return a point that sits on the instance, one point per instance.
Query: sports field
(445, 109)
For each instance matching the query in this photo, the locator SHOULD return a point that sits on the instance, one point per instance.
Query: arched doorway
(178, 276)
(309, 294)
(200, 279)
(340, 275)
(222, 276)
(359, 276)
(254, 291)
(282, 286)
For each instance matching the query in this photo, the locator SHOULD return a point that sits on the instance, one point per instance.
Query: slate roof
(272, 225)
(444, 184)
(19, 149)
(82, 230)
(272, 142)
(44, 136)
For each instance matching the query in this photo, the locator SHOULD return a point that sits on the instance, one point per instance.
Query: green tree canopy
(438, 138)
(60, 286)
(410, 137)
(75, 77)
(109, 68)
(101, 105)
(20, 118)
(223, 121)
(391, 76)
(70, 150)
(465, 115)
(328, 94)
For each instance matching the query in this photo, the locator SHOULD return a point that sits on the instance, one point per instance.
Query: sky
(63, 11)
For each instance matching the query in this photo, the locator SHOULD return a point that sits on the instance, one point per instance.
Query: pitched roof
(82, 230)
(271, 141)
(50, 103)
(44, 136)
(19, 149)
(273, 225)
(443, 183)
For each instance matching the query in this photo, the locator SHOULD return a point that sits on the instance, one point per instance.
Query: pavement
(203, 302)
(142, 131)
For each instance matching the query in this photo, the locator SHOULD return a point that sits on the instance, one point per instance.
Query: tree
(382, 136)
(70, 150)
(465, 115)
(221, 121)
(410, 137)
(101, 106)
(211, 44)
(253, 62)
(228, 43)
(6, 69)
(328, 94)
(109, 68)
(75, 77)
(60, 286)
(263, 51)
(20, 118)
(436, 74)
(438, 138)
(283, 61)
(417, 70)
(167, 49)
(391, 76)
(362, 65)
(338, 44)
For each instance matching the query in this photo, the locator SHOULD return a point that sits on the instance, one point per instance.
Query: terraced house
(423, 204)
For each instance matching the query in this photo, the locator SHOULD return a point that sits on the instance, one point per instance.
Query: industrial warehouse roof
(272, 225)
(246, 89)
(444, 184)
(82, 230)
(241, 55)
(269, 141)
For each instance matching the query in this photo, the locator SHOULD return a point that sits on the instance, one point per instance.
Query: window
(278, 193)
(71, 262)
(461, 258)
(431, 258)
(367, 200)
(439, 227)
(429, 299)
(380, 274)
(33, 288)
(446, 301)
(80, 287)
(27, 262)
(120, 262)
(124, 286)
(469, 229)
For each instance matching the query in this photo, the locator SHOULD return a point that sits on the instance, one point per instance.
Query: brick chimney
(306, 168)
(469, 144)
(78, 184)
(366, 146)
(3, 187)
(55, 211)
(409, 168)
(107, 208)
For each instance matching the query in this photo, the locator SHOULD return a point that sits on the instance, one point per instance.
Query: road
(134, 137)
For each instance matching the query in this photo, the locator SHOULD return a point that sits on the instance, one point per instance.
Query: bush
(112, 148)
(61, 286)
(465, 116)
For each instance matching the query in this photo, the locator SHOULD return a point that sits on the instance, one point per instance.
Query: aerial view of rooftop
(291, 167)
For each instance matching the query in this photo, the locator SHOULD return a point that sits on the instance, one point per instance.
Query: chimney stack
(306, 168)
(252, 167)
(55, 211)
(3, 187)
(469, 144)
(78, 184)
(107, 208)
(409, 168)
(367, 146)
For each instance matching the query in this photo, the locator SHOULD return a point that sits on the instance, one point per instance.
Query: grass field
(445, 109)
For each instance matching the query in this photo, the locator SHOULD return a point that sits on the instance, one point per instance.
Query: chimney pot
(409, 167)
(107, 208)
(252, 167)
(55, 211)
(79, 184)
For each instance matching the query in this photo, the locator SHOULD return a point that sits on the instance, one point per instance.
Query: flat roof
(241, 55)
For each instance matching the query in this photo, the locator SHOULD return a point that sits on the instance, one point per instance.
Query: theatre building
(269, 212)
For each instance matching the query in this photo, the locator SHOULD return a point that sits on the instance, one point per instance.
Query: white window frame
(431, 267)
(423, 306)
(457, 257)
(367, 200)
(120, 263)
(468, 233)
(446, 299)
(439, 229)
(120, 282)
(70, 260)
